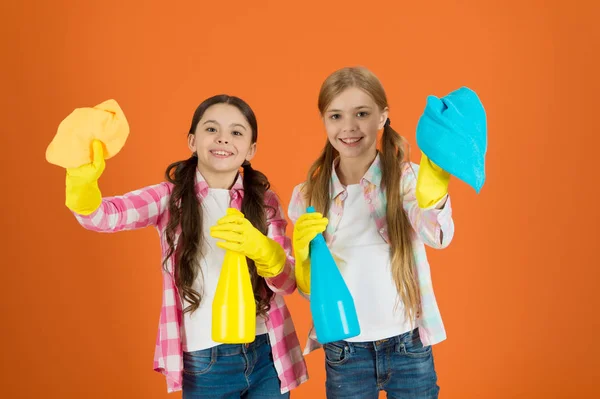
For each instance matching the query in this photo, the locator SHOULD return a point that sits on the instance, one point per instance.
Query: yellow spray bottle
(234, 307)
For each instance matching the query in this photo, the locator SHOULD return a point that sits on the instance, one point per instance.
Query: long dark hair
(186, 215)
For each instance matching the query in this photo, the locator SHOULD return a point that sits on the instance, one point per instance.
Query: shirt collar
(373, 176)
(201, 185)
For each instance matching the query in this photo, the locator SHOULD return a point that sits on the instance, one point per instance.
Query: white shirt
(363, 258)
(198, 325)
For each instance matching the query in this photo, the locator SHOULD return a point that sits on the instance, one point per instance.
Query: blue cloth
(452, 132)
(401, 366)
(232, 371)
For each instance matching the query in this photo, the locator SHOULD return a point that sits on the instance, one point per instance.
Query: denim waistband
(381, 344)
(232, 349)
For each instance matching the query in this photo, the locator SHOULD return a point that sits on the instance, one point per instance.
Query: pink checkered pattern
(431, 227)
(148, 207)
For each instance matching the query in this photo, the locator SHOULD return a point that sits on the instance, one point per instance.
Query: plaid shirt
(428, 227)
(149, 207)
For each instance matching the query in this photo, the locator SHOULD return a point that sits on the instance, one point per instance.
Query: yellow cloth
(432, 183)
(70, 147)
(240, 236)
(82, 192)
(305, 230)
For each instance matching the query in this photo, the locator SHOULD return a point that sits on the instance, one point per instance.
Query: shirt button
(368, 200)
(381, 231)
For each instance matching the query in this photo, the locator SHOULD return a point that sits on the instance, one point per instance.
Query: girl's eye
(362, 114)
(335, 116)
(236, 133)
(211, 129)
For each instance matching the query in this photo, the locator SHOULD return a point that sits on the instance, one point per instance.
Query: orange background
(518, 286)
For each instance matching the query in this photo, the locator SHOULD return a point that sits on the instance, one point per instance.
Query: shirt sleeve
(134, 210)
(434, 226)
(285, 282)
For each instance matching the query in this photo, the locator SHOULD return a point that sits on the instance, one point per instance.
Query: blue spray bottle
(331, 303)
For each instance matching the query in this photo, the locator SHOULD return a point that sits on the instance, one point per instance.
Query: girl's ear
(251, 152)
(383, 117)
(192, 142)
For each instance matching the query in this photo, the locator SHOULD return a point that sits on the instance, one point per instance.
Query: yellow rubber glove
(305, 230)
(240, 236)
(432, 183)
(82, 192)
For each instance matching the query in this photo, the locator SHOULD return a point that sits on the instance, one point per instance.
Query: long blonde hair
(316, 189)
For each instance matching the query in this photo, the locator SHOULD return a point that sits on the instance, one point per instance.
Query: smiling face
(352, 120)
(223, 140)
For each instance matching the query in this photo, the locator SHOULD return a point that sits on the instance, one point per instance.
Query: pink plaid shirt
(149, 207)
(433, 227)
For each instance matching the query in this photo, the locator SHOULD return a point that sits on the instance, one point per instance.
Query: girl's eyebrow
(237, 124)
(355, 108)
(217, 123)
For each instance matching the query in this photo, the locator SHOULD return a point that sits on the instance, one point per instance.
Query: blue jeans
(400, 366)
(232, 371)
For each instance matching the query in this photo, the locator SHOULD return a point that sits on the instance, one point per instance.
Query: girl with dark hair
(206, 198)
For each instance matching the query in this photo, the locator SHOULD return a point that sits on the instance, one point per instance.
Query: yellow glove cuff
(271, 262)
(432, 183)
(82, 193)
(302, 274)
